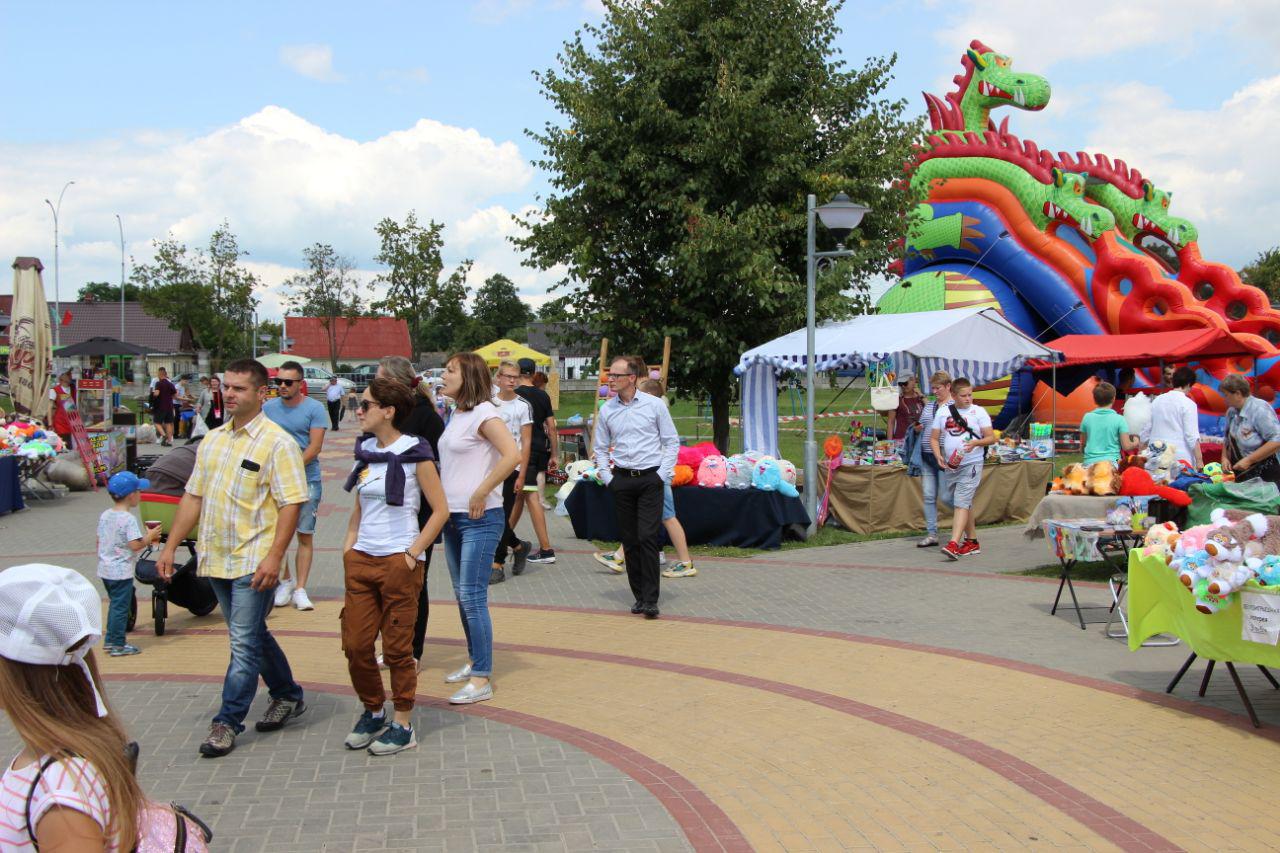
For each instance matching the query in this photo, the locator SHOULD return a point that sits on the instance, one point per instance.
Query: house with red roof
(364, 339)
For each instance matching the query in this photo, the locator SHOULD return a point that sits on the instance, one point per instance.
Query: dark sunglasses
(366, 405)
(287, 382)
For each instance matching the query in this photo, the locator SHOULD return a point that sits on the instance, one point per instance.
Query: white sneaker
(284, 592)
(301, 600)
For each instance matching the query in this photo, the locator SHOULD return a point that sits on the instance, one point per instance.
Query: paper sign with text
(1260, 622)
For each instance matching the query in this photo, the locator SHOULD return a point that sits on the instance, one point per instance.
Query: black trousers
(424, 606)
(509, 538)
(335, 412)
(638, 503)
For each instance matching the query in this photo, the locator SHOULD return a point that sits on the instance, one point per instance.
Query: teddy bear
(1206, 601)
(737, 472)
(1074, 479)
(1227, 569)
(1263, 531)
(1161, 540)
(711, 472)
(1102, 478)
(767, 476)
(581, 469)
(1267, 569)
(1162, 461)
(1192, 567)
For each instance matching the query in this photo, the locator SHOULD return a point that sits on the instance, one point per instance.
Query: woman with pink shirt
(477, 454)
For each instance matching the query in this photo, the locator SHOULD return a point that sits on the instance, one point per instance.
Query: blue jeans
(254, 651)
(469, 544)
(931, 484)
(120, 595)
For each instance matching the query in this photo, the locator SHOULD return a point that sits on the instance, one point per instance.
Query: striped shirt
(72, 784)
(244, 476)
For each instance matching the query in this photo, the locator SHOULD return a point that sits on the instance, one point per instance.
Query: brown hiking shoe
(278, 713)
(221, 740)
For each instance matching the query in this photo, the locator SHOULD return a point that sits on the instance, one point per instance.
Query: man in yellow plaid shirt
(247, 489)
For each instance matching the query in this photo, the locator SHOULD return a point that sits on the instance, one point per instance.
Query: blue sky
(304, 122)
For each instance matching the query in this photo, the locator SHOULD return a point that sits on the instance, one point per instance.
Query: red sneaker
(970, 547)
(953, 551)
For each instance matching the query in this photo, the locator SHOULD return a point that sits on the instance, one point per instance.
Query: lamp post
(120, 222)
(57, 299)
(840, 216)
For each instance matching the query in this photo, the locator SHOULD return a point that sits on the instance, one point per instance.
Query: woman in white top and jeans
(930, 471)
(383, 563)
(476, 454)
(1176, 420)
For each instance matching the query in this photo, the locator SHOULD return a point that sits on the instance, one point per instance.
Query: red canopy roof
(1147, 349)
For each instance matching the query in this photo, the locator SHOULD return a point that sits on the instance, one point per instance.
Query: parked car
(362, 375)
(317, 379)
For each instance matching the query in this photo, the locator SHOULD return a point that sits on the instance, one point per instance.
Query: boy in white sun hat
(120, 539)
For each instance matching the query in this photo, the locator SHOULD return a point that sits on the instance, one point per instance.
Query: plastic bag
(1137, 413)
(1252, 495)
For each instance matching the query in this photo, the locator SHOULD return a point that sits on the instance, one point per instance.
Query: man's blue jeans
(469, 544)
(120, 595)
(254, 651)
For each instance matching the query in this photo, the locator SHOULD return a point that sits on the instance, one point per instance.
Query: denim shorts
(307, 517)
(960, 486)
(668, 502)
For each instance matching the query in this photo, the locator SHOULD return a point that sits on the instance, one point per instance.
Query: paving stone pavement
(922, 610)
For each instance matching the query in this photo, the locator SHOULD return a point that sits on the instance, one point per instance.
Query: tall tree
(206, 294)
(102, 291)
(449, 322)
(557, 310)
(692, 131)
(327, 291)
(1264, 273)
(499, 308)
(415, 292)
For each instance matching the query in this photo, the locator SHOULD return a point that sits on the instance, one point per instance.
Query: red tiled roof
(365, 339)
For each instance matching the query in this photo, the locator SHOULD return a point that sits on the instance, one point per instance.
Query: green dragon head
(1067, 203)
(994, 83)
(1152, 217)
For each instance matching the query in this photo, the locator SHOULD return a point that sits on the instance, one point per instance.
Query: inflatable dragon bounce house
(1061, 243)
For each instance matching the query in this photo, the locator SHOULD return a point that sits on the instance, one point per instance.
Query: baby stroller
(168, 478)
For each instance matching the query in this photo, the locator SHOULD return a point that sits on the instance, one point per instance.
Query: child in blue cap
(120, 539)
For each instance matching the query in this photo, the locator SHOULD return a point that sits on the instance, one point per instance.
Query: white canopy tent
(977, 343)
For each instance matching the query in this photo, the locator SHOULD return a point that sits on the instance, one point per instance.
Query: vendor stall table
(746, 518)
(1076, 539)
(882, 498)
(1159, 603)
(10, 485)
(1062, 505)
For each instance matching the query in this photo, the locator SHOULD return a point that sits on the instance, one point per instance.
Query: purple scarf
(420, 452)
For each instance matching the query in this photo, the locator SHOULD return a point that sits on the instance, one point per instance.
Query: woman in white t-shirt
(49, 690)
(476, 454)
(383, 563)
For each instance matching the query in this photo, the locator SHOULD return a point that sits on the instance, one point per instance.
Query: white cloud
(282, 182)
(1018, 27)
(310, 60)
(1226, 183)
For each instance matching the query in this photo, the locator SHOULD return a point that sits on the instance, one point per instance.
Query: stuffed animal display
(711, 473)
(737, 473)
(1214, 561)
(1160, 541)
(1100, 478)
(767, 476)
(29, 440)
(1162, 461)
(582, 469)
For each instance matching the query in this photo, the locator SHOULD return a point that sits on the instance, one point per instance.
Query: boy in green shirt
(1103, 432)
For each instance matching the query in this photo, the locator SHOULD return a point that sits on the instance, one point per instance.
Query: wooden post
(666, 361)
(595, 411)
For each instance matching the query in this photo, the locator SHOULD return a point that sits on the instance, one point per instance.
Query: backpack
(961, 422)
(161, 827)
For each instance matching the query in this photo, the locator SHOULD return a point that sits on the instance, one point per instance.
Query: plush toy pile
(29, 440)
(1215, 560)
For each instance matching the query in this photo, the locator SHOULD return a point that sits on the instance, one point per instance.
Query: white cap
(44, 611)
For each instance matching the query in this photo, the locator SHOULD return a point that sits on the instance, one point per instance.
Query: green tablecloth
(1159, 604)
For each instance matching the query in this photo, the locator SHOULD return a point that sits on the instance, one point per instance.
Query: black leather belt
(634, 472)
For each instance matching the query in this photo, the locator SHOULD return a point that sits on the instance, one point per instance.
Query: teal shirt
(1104, 427)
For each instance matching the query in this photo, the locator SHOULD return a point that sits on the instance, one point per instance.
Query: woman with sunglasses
(383, 563)
(477, 454)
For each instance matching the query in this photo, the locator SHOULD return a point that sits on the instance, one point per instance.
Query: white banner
(30, 340)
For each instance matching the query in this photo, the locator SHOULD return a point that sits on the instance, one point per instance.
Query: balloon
(604, 391)
(655, 374)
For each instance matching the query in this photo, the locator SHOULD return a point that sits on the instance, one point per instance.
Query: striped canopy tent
(977, 343)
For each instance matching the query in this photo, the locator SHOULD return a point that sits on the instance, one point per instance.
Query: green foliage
(415, 291)
(208, 294)
(1264, 273)
(693, 129)
(328, 291)
(272, 329)
(558, 310)
(499, 308)
(101, 291)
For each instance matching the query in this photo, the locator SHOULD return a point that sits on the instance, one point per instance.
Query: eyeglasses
(287, 382)
(620, 375)
(366, 405)
(514, 377)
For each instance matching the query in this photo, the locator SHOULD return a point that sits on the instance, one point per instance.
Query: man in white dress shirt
(333, 394)
(635, 430)
(1176, 419)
